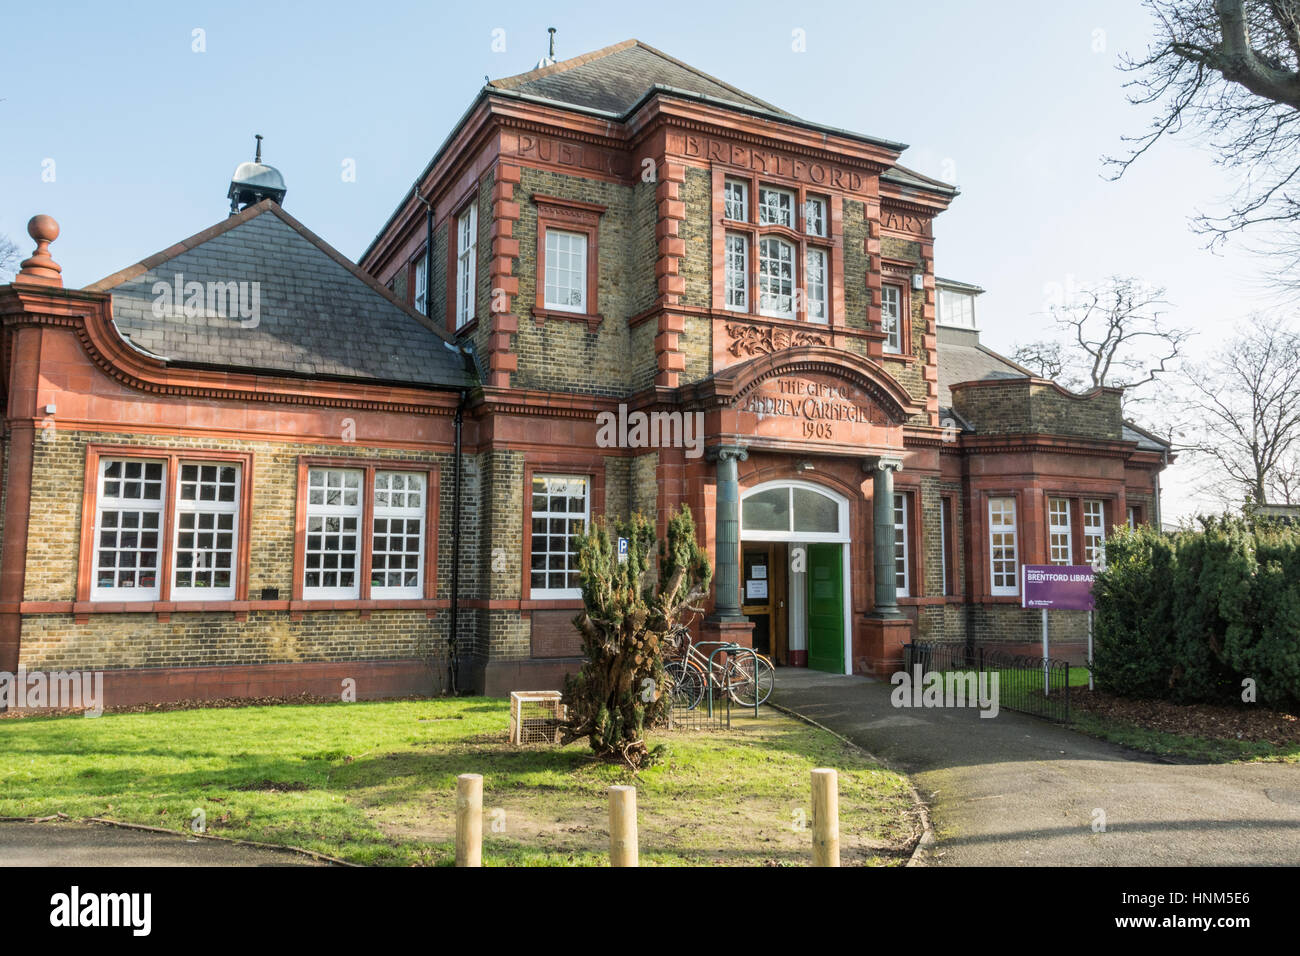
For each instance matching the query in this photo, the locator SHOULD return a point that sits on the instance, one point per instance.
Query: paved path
(89, 844)
(1014, 790)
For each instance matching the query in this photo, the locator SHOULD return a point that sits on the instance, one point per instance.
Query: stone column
(726, 576)
(880, 637)
(883, 519)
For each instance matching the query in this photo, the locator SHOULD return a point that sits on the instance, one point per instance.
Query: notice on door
(755, 590)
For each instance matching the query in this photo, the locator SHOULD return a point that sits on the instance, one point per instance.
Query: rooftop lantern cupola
(254, 182)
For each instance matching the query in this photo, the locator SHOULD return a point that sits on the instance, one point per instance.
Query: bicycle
(741, 677)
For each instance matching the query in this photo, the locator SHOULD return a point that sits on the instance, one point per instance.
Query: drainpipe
(453, 661)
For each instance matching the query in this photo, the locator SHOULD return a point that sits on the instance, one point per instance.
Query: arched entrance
(794, 544)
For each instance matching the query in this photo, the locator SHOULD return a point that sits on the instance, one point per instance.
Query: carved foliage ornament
(750, 340)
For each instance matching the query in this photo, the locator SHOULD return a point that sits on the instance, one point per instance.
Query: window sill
(592, 319)
(907, 358)
(926, 601)
(164, 609)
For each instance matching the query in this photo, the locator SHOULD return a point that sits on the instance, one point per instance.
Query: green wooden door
(826, 607)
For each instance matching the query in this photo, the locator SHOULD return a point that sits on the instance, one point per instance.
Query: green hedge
(1189, 616)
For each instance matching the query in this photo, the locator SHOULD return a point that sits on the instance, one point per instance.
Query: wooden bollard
(826, 817)
(622, 827)
(469, 819)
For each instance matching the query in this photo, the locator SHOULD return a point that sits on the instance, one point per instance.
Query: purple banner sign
(1066, 587)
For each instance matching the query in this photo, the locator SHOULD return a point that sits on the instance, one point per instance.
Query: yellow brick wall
(189, 638)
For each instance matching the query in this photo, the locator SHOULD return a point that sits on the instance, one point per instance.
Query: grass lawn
(1213, 733)
(1209, 749)
(374, 783)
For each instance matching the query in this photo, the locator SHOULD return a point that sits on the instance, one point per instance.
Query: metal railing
(1028, 684)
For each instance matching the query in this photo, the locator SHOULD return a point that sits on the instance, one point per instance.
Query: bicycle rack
(729, 648)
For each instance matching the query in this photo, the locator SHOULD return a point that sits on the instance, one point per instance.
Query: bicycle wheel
(686, 684)
(743, 684)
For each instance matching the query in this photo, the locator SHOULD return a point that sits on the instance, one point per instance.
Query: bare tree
(1045, 359)
(1285, 486)
(9, 256)
(1112, 334)
(1246, 403)
(1230, 71)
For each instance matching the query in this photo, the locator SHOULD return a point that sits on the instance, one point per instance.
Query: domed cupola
(254, 182)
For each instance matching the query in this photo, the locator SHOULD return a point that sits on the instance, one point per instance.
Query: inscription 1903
(817, 407)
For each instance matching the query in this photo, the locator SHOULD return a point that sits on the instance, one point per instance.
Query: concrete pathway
(1015, 791)
(90, 844)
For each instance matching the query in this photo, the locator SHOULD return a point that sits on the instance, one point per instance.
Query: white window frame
(141, 506)
(420, 298)
(1132, 517)
(1094, 530)
(325, 511)
(790, 533)
(387, 511)
(818, 304)
(783, 208)
(215, 507)
(766, 279)
(553, 270)
(1007, 532)
(548, 593)
(822, 217)
(945, 298)
(466, 264)
(737, 280)
(1060, 534)
(902, 567)
(735, 199)
(891, 323)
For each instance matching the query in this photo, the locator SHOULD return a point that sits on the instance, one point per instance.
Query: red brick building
(249, 466)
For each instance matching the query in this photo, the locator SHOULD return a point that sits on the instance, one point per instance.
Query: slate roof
(611, 81)
(615, 78)
(911, 179)
(960, 362)
(318, 314)
(1145, 440)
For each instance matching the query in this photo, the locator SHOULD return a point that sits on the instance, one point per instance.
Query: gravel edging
(927, 838)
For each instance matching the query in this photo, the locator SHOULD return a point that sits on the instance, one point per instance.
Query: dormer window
(956, 308)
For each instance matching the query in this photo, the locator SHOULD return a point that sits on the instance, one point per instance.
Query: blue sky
(1015, 101)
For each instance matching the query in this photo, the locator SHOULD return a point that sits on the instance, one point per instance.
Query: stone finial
(40, 269)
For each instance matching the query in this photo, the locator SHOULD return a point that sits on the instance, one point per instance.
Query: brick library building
(248, 466)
